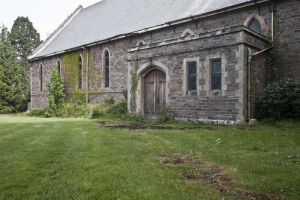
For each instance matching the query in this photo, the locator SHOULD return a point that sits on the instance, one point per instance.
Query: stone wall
(288, 16)
(231, 48)
(229, 45)
(39, 98)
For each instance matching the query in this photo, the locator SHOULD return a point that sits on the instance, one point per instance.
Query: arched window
(254, 25)
(41, 78)
(59, 67)
(187, 32)
(140, 43)
(80, 72)
(106, 63)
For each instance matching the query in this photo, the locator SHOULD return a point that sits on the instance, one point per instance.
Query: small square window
(216, 75)
(192, 76)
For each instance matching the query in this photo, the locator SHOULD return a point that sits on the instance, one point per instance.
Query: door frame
(142, 72)
(146, 74)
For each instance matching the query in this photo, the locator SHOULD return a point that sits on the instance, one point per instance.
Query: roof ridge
(94, 4)
(102, 22)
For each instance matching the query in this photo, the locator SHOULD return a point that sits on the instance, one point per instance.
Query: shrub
(67, 110)
(280, 100)
(138, 117)
(37, 113)
(97, 113)
(56, 95)
(73, 110)
(109, 101)
(166, 115)
(77, 97)
(118, 109)
(125, 95)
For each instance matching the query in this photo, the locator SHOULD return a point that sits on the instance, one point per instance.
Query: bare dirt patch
(133, 127)
(185, 159)
(213, 175)
(258, 196)
(138, 127)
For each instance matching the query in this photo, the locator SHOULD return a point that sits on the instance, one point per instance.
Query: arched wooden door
(154, 93)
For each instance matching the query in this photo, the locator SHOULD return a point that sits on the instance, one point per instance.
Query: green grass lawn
(81, 159)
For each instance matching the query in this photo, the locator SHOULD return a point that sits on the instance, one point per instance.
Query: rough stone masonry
(226, 35)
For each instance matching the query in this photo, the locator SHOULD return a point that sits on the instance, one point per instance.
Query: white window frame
(185, 76)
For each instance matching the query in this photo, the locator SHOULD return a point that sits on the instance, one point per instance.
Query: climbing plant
(94, 74)
(70, 66)
(56, 95)
(71, 73)
(134, 84)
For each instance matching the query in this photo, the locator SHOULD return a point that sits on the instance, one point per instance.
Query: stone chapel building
(204, 60)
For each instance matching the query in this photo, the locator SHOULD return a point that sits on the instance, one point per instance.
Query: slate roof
(111, 18)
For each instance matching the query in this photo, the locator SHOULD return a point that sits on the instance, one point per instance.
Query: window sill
(216, 92)
(106, 89)
(191, 93)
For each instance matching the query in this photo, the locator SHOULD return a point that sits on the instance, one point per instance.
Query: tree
(56, 95)
(25, 38)
(13, 93)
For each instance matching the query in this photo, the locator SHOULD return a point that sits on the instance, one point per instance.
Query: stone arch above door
(147, 66)
(142, 72)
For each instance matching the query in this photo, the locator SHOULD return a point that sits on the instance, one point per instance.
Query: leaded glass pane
(41, 78)
(192, 76)
(106, 69)
(255, 26)
(80, 74)
(216, 75)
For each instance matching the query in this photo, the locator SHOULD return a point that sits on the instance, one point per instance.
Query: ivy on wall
(134, 84)
(70, 69)
(94, 75)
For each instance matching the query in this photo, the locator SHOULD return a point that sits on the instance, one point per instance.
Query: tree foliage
(15, 47)
(25, 38)
(13, 92)
(280, 100)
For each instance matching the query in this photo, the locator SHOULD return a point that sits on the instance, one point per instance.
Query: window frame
(58, 67)
(185, 91)
(41, 77)
(106, 68)
(251, 22)
(140, 43)
(211, 74)
(189, 76)
(259, 19)
(187, 33)
(80, 71)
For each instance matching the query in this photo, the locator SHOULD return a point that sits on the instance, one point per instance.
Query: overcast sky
(45, 15)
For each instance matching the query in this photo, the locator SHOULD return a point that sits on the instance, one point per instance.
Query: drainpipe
(249, 85)
(272, 19)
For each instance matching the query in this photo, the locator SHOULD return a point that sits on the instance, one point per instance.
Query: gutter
(168, 24)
